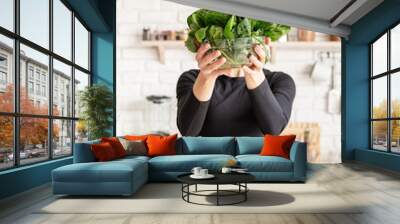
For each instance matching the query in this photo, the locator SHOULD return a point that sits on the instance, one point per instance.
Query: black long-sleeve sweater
(234, 110)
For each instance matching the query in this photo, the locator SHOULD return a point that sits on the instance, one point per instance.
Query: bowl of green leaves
(233, 36)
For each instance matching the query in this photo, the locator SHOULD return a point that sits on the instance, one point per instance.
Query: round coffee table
(238, 179)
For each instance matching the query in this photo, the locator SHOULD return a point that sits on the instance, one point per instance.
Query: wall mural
(154, 97)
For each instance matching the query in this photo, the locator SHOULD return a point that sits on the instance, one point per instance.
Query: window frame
(3, 74)
(16, 114)
(3, 70)
(388, 74)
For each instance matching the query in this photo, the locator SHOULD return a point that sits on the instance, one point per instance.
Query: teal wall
(355, 96)
(104, 51)
(102, 59)
(355, 85)
(99, 16)
(24, 178)
(380, 159)
(103, 63)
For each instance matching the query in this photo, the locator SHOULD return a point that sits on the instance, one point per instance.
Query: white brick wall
(139, 74)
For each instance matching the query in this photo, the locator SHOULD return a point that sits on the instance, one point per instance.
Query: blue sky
(35, 27)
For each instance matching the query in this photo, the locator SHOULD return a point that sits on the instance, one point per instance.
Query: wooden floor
(351, 181)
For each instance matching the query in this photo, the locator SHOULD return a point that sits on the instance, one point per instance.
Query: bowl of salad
(233, 36)
(238, 50)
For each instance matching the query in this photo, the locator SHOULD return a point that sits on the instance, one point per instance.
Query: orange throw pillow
(103, 152)
(116, 145)
(277, 145)
(161, 145)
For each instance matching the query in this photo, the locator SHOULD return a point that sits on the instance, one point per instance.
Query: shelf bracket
(161, 53)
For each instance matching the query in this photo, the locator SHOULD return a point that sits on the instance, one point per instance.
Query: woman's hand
(209, 71)
(254, 74)
(208, 63)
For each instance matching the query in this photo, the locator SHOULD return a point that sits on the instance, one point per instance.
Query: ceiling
(98, 15)
(327, 16)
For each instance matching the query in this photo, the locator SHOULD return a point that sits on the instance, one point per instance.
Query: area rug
(166, 198)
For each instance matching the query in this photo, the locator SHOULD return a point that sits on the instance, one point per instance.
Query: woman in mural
(249, 101)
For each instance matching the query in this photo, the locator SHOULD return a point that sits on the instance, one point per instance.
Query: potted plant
(233, 35)
(96, 102)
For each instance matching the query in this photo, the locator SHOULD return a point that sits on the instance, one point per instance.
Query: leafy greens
(211, 26)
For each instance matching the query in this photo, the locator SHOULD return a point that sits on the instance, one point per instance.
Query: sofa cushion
(277, 145)
(134, 147)
(103, 152)
(116, 145)
(161, 145)
(83, 152)
(185, 163)
(249, 145)
(257, 163)
(111, 171)
(206, 145)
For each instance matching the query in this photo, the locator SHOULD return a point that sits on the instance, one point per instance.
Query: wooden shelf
(320, 45)
(161, 45)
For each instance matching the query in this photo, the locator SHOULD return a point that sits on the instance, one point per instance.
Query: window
(81, 45)
(62, 31)
(35, 21)
(61, 75)
(6, 73)
(3, 81)
(40, 62)
(30, 88)
(395, 47)
(3, 61)
(37, 89)
(3, 78)
(379, 56)
(44, 91)
(3, 72)
(47, 76)
(81, 131)
(62, 137)
(37, 75)
(33, 148)
(6, 142)
(385, 94)
(81, 81)
(30, 72)
(7, 14)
